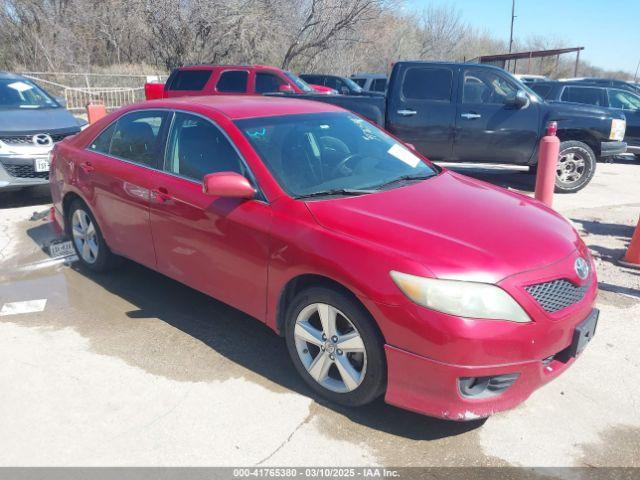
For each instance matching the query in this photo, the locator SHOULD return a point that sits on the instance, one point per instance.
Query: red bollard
(632, 257)
(95, 111)
(548, 152)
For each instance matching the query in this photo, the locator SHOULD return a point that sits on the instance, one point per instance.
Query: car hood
(32, 121)
(561, 109)
(455, 226)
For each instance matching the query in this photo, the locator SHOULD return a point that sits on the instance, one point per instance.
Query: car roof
(9, 76)
(238, 107)
(368, 75)
(227, 67)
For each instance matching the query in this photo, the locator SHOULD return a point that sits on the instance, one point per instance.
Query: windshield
(301, 84)
(322, 152)
(21, 93)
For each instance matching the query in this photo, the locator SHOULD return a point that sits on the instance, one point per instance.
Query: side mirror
(61, 101)
(227, 184)
(286, 88)
(519, 100)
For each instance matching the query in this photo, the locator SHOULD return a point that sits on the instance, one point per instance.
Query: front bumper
(609, 149)
(18, 170)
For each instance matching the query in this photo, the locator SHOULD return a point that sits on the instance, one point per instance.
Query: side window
(137, 137)
(541, 89)
(191, 80)
(268, 82)
(102, 142)
(360, 81)
(586, 95)
(233, 81)
(333, 82)
(379, 85)
(427, 84)
(486, 87)
(197, 147)
(623, 100)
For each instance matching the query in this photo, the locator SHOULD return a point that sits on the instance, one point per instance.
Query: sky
(609, 30)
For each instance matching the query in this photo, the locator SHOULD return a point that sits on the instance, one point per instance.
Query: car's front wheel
(335, 346)
(576, 166)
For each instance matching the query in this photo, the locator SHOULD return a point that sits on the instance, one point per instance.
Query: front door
(217, 245)
(487, 128)
(423, 111)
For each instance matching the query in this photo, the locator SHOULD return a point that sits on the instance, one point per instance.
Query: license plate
(61, 249)
(583, 333)
(41, 165)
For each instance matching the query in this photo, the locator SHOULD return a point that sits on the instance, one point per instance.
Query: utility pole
(635, 77)
(513, 17)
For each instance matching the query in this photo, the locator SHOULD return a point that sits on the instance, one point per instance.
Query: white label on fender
(404, 154)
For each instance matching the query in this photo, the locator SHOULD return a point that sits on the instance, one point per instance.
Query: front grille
(24, 171)
(557, 295)
(28, 139)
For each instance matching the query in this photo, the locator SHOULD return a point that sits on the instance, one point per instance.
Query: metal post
(513, 16)
(575, 70)
(635, 77)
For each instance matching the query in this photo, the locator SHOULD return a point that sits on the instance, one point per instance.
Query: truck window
(486, 87)
(233, 81)
(586, 95)
(379, 85)
(191, 80)
(623, 100)
(422, 83)
(268, 82)
(541, 89)
(360, 81)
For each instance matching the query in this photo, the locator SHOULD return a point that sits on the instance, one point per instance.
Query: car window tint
(268, 82)
(486, 87)
(137, 137)
(542, 90)
(233, 81)
(427, 84)
(586, 95)
(192, 80)
(360, 81)
(379, 85)
(623, 100)
(333, 82)
(102, 142)
(197, 147)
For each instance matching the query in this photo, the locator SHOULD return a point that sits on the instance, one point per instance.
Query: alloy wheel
(330, 347)
(571, 167)
(84, 236)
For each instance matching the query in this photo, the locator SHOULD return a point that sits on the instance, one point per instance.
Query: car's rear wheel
(576, 166)
(335, 346)
(87, 239)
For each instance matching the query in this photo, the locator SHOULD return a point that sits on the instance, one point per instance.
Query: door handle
(160, 195)
(470, 116)
(86, 167)
(406, 113)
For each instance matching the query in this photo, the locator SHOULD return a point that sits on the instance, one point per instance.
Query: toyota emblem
(42, 140)
(582, 268)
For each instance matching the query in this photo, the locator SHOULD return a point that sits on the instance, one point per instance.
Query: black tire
(104, 259)
(574, 153)
(373, 383)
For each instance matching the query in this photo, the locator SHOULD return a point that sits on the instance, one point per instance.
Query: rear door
(422, 110)
(488, 129)
(629, 104)
(232, 82)
(120, 167)
(217, 245)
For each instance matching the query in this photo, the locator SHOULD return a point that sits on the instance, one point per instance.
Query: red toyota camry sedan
(386, 274)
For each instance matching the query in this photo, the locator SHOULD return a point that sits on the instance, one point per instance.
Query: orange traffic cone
(632, 257)
(95, 111)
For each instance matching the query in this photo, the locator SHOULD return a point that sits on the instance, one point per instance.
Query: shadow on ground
(25, 197)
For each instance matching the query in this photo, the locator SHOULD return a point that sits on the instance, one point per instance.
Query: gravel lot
(132, 368)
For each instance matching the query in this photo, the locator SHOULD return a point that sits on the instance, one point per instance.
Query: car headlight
(618, 128)
(462, 299)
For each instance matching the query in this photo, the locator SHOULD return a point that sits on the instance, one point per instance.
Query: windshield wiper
(404, 178)
(337, 191)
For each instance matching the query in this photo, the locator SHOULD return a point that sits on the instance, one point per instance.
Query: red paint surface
(245, 252)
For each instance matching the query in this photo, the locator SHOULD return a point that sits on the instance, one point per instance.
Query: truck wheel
(335, 346)
(576, 166)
